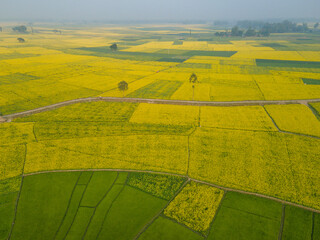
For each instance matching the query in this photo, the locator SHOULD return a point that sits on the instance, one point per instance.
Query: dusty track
(9, 117)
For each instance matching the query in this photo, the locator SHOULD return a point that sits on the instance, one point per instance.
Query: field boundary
(227, 189)
(9, 117)
(148, 224)
(19, 193)
(282, 221)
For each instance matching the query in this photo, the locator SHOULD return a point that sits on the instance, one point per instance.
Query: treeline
(257, 28)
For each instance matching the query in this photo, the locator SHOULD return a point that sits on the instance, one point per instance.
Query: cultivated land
(238, 156)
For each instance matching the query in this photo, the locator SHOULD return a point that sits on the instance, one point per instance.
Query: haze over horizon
(150, 10)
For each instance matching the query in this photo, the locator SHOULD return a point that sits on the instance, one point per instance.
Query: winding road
(9, 117)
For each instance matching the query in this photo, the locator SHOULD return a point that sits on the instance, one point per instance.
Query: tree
(316, 25)
(193, 80)
(114, 47)
(21, 40)
(123, 86)
(265, 32)
(236, 32)
(250, 32)
(20, 29)
(0, 29)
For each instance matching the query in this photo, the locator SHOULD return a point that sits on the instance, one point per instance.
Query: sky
(172, 10)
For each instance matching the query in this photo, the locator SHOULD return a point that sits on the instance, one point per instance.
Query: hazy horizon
(149, 10)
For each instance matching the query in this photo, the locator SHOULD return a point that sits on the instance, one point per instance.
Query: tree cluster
(20, 29)
(260, 29)
(114, 47)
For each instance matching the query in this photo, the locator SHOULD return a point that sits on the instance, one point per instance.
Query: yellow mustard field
(234, 147)
(195, 206)
(295, 118)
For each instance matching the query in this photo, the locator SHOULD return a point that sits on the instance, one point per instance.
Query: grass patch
(160, 89)
(163, 186)
(195, 65)
(129, 213)
(99, 184)
(97, 221)
(276, 46)
(16, 78)
(80, 223)
(210, 53)
(165, 229)
(316, 226)
(297, 224)
(172, 59)
(310, 81)
(286, 63)
(177, 42)
(7, 207)
(71, 212)
(40, 196)
(246, 217)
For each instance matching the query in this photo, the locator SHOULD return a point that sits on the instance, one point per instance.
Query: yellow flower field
(166, 114)
(195, 206)
(295, 118)
(246, 118)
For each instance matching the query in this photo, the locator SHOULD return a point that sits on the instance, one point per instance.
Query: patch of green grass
(40, 196)
(172, 59)
(71, 212)
(80, 223)
(99, 184)
(164, 229)
(170, 52)
(16, 55)
(97, 221)
(7, 207)
(16, 78)
(253, 204)
(297, 224)
(316, 226)
(18, 106)
(195, 65)
(160, 89)
(310, 81)
(177, 42)
(286, 63)
(246, 217)
(210, 53)
(122, 178)
(107, 52)
(163, 186)
(276, 46)
(129, 213)
(85, 178)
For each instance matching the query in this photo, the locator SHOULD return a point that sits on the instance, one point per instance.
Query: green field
(121, 205)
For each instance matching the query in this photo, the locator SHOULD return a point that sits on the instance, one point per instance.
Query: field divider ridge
(148, 224)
